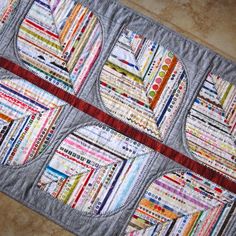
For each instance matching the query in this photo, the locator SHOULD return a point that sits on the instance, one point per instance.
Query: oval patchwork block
(28, 116)
(143, 84)
(182, 203)
(60, 42)
(95, 169)
(211, 126)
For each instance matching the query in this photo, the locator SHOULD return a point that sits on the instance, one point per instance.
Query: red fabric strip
(121, 126)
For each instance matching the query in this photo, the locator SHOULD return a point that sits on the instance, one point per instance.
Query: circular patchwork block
(28, 116)
(95, 169)
(182, 203)
(143, 84)
(60, 41)
(211, 126)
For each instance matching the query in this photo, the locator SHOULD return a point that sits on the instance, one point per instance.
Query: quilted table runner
(112, 124)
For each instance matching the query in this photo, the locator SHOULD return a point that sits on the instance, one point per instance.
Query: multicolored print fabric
(143, 84)
(182, 203)
(95, 169)
(27, 120)
(96, 179)
(60, 42)
(7, 8)
(211, 126)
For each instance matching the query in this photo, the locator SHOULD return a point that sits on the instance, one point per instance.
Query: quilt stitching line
(99, 93)
(22, 110)
(155, 207)
(46, 180)
(79, 83)
(187, 112)
(121, 127)
(8, 15)
(38, 157)
(173, 169)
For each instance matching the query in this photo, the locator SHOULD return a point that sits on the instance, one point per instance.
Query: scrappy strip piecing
(211, 126)
(27, 120)
(121, 127)
(95, 169)
(20, 98)
(143, 84)
(7, 8)
(182, 203)
(23, 140)
(60, 42)
(102, 172)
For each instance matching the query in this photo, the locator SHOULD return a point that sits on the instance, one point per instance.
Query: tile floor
(209, 22)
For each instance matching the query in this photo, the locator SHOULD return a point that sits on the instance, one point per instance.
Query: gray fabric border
(20, 182)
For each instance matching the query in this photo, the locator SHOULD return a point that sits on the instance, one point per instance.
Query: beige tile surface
(17, 220)
(210, 22)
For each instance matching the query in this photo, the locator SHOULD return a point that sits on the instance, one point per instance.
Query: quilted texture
(181, 203)
(7, 8)
(143, 84)
(111, 124)
(60, 41)
(95, 169)
(211, 125)
(28, 117)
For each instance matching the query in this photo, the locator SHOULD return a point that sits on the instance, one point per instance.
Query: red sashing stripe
(120, 126)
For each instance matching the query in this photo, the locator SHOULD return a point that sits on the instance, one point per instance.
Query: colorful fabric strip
(143, 84)
(211, 126)
(60, 42)
(7, 8)
(182, 203)
(95, 169)
(120, 126)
